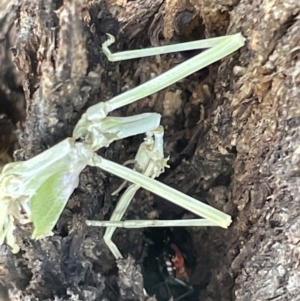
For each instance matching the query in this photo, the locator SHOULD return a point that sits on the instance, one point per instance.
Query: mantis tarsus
(38, 189)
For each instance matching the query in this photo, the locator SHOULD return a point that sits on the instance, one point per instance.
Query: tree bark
(232, 132)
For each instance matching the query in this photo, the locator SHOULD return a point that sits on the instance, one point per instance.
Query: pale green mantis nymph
(37, 190)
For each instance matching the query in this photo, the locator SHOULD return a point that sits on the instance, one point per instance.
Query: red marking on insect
(179, 267)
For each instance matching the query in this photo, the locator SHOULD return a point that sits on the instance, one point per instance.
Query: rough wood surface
(232, 132)
(11, 93)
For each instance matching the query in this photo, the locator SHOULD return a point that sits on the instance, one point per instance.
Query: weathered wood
(232, 132)
(11, 95)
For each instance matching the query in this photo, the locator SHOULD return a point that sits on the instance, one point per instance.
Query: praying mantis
(37, 190)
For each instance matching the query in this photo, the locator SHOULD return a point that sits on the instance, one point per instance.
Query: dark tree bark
(232, 132)
(11, 94)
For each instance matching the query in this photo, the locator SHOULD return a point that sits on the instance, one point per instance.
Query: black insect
(167, 266)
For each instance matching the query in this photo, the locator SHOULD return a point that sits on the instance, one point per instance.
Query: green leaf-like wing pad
(49, 201)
